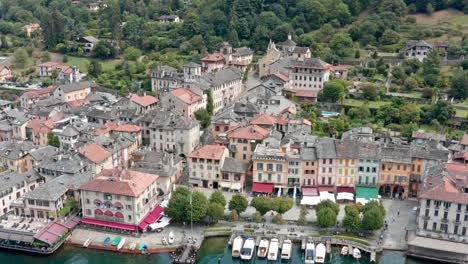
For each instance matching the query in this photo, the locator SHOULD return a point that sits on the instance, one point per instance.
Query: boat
(171, 238)
(132, 246)
(237, 246)
(286, 249)
(116, 241)
(143, 248)
(248, 249)
(356, 253)
(106, 241)
(87, 242)
(344, 250)
(121, 243)
(309, 253)
(273, 250)
(164, 241)
(263, 248)
(320, 252)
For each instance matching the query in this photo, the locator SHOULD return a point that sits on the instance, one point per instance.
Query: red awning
(98, 212)
(330, 189)
(345, 189)
(262, 187)
(119, 215)
(109, 224)
(109, 213)
(310, 191)
(151, 218)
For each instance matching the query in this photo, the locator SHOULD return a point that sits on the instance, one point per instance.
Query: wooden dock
(124, 250)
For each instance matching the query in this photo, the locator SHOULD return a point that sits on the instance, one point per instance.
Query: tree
(21, 57)
(278, 219)
(209, 104)
(257, 217)
(215, 211)
(302, 216)
(373, 219)
(104, 50)
(374, 204)
(407, 130)
(351, 221)
(132, 54)
(410, 113)
(284, 204)
(328, 204)
(53, 140)
(263, 204)
(389, 37)
(333, 91)
(45, 57)
(326, 217)
(429, 9)
(239, 203)
(398, 7)
(459, 86)
(234, 216)
(410, 84)
(370, 92)
(204, 117)
(218, 197)
(180, 210)
(4, 43)
(340, 43)
(94, 68)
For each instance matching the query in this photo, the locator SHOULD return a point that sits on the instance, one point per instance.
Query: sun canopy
(152, 217)
(262, 187)
(161, 223)
(310, 200)
(345, 196)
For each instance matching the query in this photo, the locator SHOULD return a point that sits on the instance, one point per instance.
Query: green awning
(367, 193)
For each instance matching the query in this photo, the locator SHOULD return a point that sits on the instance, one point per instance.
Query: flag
(190, 200)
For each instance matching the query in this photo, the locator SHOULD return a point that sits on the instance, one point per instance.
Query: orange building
(395, 171)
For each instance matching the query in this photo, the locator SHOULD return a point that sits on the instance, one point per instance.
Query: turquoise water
(328, 114)
(211, 250)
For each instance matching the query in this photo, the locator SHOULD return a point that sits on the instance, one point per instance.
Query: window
(466, 218)
(436, 213)
(329, 180)
(269, 166)
(457, 218)
(107, 196)
(463, 231)
(129, 217)
(447, 205)
(459, 207)
(427, 212)
(434, 226)
(329, 161)
(279, 167)
(445, 215)
(259, 166)
(269, 177)
(329, 170)
(323, 180)
(88, 211)
(374, 169)
(259, 177)
(444, 228)
(87, 201)
(128, 207)
(279, 178)
(428, 203)
(361, 169)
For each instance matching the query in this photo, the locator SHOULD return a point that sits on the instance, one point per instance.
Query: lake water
(211, 250)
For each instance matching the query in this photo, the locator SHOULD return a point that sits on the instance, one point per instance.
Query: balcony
(444, 220)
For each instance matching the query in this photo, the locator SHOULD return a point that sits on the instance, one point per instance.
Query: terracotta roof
(38, 125)
(263, 119)
(464, 140)
(126, 128)
(4, 67)
(441, 188)
(307, 122)
(305, 93)
(213, 57)
(77, 103)
(186, 95)
(252, 132)
(38, 93)
(49, 64)
(208, 152)
(95, 153)
(282, 120)
(144, 100)
(289, 110)
(282, 76)
(126, 182)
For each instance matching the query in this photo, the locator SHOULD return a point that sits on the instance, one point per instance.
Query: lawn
(465, 104)
(357, 103)
(82, 63)
(461, 113)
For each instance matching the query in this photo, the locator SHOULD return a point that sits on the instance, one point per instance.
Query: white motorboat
(121, 243)
(273, 250)
(356, 253)
(320, 252)
(309, 253)
(132, 246)
(237, 246)
(286, 249)
(248, 249)
(87, 242)
(344, 250)
(171, 238)
(263, 248)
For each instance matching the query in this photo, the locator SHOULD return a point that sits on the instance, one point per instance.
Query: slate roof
(429, 151)
(70, 87)
(417, 43)
(309, 154)
(52, 190)
(16, 150)
(90, 39)
(314, 63)
(326, 148)
(233, 165)
(222, 76)
(246, 107)
(420, 134)
(192, 65)
(12, 179)
(396, 154)
(44, 152)
(65, 163)
(243, 51)
(158, 162)
(300, 50)
(288, 42)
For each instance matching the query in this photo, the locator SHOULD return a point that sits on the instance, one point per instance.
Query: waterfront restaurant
(121, 200)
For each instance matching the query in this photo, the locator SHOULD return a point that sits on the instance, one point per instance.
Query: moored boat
(273, 250)
(106, 241)
(320, 252)
(87, 242)
(132, 246)
(143, 248)
(356, 253)
(248, 249)
(171, 238)
(116, 241)
(263, 248)
(237, 246)
(309, 252)
(121, 243)
(286, 249)
(344, 250)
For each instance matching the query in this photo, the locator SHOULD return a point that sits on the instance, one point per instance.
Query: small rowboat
(132, 246)
(87, 242)
(116, 241)
(121, 243)
(106, 241)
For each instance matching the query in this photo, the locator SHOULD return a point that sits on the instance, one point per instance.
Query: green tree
(373, 219)
(328, 204)
(4, 43)
(333, 91)
(215, 211)
(283, 204)
(179, 208)
(410, 113)
(302, 220)
(45, 57)
(407, 130)
(374, 204)
(340, 43)
(459, 86)
(204, 117)
(21, 58)
(234, 216)
(218, 197)
(263, 204)
(239, 203)
(132, 54)
(104, 50)
(398, 7)
(389, 37)
(429, 9)
(257, 217)
(278, 219)
(53, 140)
(351, 221)
(326, 217)
(209, 104)
(94, 68)
(410, 84)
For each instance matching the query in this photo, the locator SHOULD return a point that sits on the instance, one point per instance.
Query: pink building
(212, 63)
